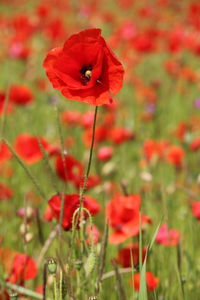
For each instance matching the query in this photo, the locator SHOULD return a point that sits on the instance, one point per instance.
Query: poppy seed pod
(52, 266)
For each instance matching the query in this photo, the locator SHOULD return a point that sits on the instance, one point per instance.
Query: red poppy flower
(72, 202)
(5, 153)
(120, 135)
(175, 155)
(195, 144)
(196, 210)
(20, 95)
(55, 29)
(123, 216)
(9, 108)
(69, 169)
(85, 69)
(101, 134)
(124, 255)
(23, 268)
(93, 180)
(154, 149)
(105, 153)
(87, 119)
(181, 131)
(48, 214)
(5, 192)
(28, 148)
(151, 280)
(71, 118)
(93, 234)
(167, 237)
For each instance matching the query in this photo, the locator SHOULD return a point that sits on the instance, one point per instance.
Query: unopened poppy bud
(29, 212)
(108, 169)
(13, 295)
(52, 266)
(78, 264)
(24, 228)
(90, 263)
(28, 237)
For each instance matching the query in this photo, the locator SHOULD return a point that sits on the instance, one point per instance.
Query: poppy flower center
(86, 74)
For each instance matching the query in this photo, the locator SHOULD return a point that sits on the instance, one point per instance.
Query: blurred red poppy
(5, 191)
(69, 169)
(151, 280)
(28, 148)
(85, 69)
(23, 268)
(119, 135)
(20, 95)
(167, 237)
(153, 149)
(123, 216)
(175, 155)
(93, 234)
(5, 153)
(93, 180)
(71, 118)
(72, 202)
(125, 254)
(195, 144)
(196, 209)
(9, 107)
(105, 153)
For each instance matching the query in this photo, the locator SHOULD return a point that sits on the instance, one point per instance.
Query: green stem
(55, 287)
(63, 153)
(89, 161)
(140, 242)
(26, 169)
(83, 189)
(3, 123)
(60, 286)
(21, 290)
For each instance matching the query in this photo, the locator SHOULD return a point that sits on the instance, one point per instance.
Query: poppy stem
(82, 191)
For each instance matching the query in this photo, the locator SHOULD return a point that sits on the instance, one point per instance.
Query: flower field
(100, 150)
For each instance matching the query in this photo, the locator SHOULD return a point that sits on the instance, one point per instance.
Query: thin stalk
(179, 267)
(47, 244)
(26, 169)
(55, 287)
(140, 242)
(25, 225)
(112, 273)
(39, 227)
(120, 288)
(3, 122)
(132, 272)
(50, 171)
(102, 257)
(63, 153)
(60, 285)
(21, 290)
(44, 281)
(82, 191)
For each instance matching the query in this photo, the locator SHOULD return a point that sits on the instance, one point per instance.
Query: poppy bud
(90, 263)
(52, 266)
(13, 295)
(78, 264)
